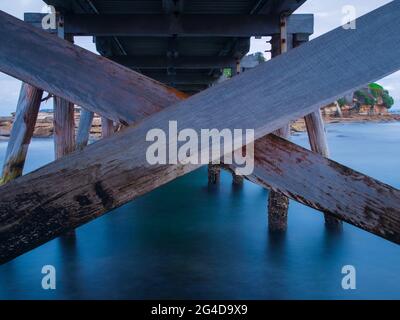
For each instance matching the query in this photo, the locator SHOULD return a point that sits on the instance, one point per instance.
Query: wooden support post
(64, 118)
(237, 180)
(316, 133)
(214, 173)
(21, 132)
(338, 110)
(85, 124)
(319, 144)
(107, 127)
(64, 127)
(278, 203)
(214, 170)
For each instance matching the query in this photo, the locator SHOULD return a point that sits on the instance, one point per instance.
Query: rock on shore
(300, 126)
(44, 125)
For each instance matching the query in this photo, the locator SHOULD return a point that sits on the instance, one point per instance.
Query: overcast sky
(328, 15)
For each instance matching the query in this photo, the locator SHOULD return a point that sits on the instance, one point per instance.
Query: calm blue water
(188, 240)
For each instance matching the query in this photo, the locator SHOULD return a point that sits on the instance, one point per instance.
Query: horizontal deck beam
(193, 25)
(181, 78)
(280, 6)
(163, 62)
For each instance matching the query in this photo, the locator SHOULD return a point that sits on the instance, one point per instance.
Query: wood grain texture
(64, 127)
(278, 203)
(108, 173)
(107, 127)
(21, 132)
(85, 124)
(316, 133)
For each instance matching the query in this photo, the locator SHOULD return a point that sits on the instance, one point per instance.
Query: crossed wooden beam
(79, 187)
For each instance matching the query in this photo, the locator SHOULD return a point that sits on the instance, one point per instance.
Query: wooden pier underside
(176, 33)
(77, 188)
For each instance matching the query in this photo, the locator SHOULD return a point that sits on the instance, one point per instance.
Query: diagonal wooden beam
(48, 62)
(71, 192)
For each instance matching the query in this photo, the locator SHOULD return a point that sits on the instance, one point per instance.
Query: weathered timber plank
(113, 171)
(21, 132)
(64, 127)
(55, 65)
(64, 120)
(85, 124)
(107, 127)
(278, 203)
(342, 192)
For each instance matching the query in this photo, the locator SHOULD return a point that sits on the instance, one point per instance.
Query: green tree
(260, 57)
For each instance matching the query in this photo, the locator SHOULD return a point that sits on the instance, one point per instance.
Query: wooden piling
(319, 144)
(316, 133)
(237, 180)
(21, 132)
(64, 127)
(64, 118)
(107, 127)
(278, 207)
(214, 173)
(85, 124)
(278, 203)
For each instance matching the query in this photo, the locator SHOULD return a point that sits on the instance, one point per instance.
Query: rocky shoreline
(44, 124)
(300, 126)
